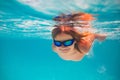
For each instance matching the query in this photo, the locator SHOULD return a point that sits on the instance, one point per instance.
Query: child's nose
(63, 46)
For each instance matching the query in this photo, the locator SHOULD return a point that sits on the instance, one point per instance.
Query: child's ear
(75, 42)
(53, 45)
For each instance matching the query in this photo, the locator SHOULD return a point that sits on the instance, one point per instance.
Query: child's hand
(100, 37)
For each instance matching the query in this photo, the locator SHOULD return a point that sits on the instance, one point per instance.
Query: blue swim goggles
(65, 43)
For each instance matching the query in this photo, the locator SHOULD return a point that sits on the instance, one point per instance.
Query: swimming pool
(25, 41)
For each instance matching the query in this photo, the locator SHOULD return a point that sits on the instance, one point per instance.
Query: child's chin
(65, 51)
(75, 60)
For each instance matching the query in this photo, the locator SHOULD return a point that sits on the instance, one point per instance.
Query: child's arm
(84, 46)
(100, 37)
(86, 43)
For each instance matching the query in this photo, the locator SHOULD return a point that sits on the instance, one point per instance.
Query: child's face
(64, 49)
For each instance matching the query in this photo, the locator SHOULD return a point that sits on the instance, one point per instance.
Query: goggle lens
(65, 43)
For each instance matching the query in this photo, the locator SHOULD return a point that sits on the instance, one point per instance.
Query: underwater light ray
(37, 26)
(54, 7)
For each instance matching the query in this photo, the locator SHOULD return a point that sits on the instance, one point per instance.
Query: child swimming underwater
(68, 42)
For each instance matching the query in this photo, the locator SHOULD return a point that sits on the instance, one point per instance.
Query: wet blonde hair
(69, 29)
(74, 16)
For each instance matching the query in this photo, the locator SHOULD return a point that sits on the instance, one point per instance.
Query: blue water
(25, 41)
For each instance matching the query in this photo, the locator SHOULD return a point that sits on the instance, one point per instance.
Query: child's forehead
(63, 36)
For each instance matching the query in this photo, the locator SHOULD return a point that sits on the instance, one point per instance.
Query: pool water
(25, 41)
